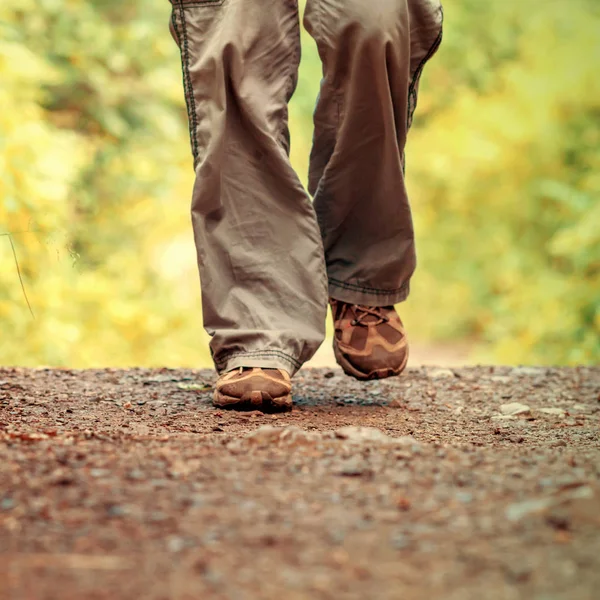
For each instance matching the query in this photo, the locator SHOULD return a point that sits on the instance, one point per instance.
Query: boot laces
(361, 312)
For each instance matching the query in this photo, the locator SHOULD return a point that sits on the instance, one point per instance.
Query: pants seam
(291, 76)
(337, 100)
(187, 81)
(412, 90)
(199, 3)
(369, 290)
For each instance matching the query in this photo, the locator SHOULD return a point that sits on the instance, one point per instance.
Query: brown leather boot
(370, 341)
(255, 389)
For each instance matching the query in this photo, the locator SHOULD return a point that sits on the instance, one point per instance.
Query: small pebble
(515, 409)
(114, 510)
(520, 510)
(176, 544)
(7, 504)
(399, 541)
(464, 497)
(361, 434)
(157, 517)
(553, 411)
(354, 468)
(518, 573)
(528, 371)
(96, 473)
(441, 374)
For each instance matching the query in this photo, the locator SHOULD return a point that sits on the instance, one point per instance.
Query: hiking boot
(370, 341)
(253, 388)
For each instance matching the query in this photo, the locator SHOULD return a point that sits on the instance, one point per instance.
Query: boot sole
(256, 400)
(349, 369)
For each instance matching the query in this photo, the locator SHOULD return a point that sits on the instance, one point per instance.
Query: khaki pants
(268, 256)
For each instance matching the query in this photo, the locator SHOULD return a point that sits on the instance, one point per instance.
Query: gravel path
(479, 483)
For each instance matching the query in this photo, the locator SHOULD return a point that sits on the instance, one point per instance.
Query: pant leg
(260, 254)
(373, 54)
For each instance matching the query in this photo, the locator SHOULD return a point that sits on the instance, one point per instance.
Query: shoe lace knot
(362, 313)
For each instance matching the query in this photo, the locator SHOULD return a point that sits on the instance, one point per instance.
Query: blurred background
(96, 176)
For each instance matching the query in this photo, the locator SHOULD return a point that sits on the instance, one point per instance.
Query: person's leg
(373, 54)
(260, 254)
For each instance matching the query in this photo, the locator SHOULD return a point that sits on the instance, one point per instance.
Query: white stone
(372, 434)
(441, 373)
(529, 371)
(553, 411)
(520, 510)
(290, 435)
(515, 409)
(361, 434)
(405, 440)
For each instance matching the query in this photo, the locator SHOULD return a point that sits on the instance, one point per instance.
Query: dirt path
(129, 485)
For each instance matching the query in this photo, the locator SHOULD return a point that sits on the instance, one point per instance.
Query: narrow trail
(463, 483)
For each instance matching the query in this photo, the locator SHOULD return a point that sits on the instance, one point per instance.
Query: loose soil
(478, 483)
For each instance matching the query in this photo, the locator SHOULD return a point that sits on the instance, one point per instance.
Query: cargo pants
(268, 256)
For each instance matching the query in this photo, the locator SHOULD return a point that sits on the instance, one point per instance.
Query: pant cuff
(267, 359)
(357, 294)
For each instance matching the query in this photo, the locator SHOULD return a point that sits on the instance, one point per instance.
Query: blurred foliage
(505, 180)
(95, 181)
(94, 184)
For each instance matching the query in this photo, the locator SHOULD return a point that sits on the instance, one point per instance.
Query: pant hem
(357, 294)
(268, 359)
